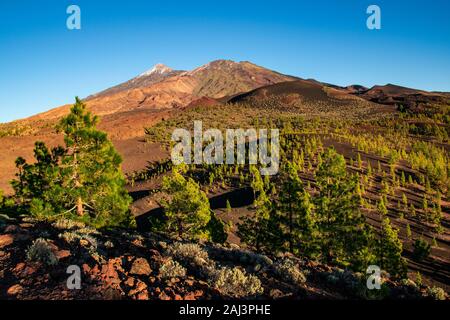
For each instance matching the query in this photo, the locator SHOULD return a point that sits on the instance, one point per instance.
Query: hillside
(175, 89)
(127, 108)
(390, 168)
(156, 74)
(296, 92)
(310, 98)
(413, 99)
(129, 265)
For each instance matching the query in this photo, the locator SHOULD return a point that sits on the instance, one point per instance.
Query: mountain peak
(158, 68)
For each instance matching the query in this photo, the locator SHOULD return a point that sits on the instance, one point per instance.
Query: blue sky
(44, 65)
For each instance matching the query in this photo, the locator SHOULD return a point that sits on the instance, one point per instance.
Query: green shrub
(73, 237)
(422, 249)
(41, 251)
(236, 283)
(67, 224)
(436, 293)
(287, 271)
(190, 253)
(172, 269)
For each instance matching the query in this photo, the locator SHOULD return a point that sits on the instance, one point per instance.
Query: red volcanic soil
(204, 102)
(306, 90)
(393, 94)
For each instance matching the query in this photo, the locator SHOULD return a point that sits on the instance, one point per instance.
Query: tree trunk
(80, 209)
(291, 244)
(180, 228)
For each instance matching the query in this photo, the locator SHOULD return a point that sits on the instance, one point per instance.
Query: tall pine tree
(82, 181)
(91, 170)
(389, 251)
(186, 210)
(262, 230)
(344, 235)
(296, 211)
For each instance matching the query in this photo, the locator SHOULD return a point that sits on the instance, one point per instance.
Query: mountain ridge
(164, 88)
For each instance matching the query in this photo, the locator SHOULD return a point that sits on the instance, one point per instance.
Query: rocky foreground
(126, 264)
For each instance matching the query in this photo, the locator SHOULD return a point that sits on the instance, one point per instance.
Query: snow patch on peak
(157, 69)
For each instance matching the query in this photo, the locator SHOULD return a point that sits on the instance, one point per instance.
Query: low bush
(236, 283)
(171, 269)
(67, 224)
(189, 253)
(41, 251)
(422, 249)
(287, 271)
(436, 293)
(73, 237)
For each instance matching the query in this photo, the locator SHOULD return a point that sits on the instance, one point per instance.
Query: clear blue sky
(44, 65)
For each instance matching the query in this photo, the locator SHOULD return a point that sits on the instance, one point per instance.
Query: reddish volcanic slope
(396, 95)
(142, 101)
(127, 108)
(175, 89)
(296, 91)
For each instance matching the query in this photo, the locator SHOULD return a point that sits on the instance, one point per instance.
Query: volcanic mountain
(156, 74)
(127, 108)
(293, 91)
(162, 88)
(308, 97)
(150, 97)
(391, 94)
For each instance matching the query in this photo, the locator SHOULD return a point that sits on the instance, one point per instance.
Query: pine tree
(84, 176)
(412, 210)
(369, 169)
(389, 251)
(437, 214)
(419, 279)
(382, 207)
(228, 206)
(343, 234)
(91, 171)
(211, 179)
(424, 203)
(427, 186)
(434, 242)
(359, 161)
(216, 229)
(422, 249)
(40, 182)
(403, 179)
(405, 201)
(392, 171)
(296, 211)
(408, 231)
(262, 230)
(186, 207)
(257, 182)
